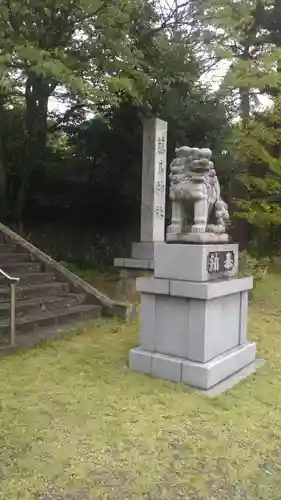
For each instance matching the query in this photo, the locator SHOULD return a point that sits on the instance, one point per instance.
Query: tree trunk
(244, 105)
(245, 91)
(37, 92)
(240, 226)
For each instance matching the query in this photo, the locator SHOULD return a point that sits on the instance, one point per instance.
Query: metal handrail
(12, 282)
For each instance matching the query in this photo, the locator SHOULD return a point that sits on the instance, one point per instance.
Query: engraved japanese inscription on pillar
(154, 180)
(160, 185)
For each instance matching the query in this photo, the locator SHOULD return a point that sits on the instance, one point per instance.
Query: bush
(250, 266)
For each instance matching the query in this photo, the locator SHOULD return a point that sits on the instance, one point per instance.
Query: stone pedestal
(194, 316)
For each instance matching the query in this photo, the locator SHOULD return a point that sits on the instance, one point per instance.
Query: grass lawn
(75, 424)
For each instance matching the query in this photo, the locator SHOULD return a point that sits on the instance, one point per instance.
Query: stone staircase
(49, 298)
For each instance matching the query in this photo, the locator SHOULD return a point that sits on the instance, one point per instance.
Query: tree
(83, 50)
(249, 40)
(121, 60)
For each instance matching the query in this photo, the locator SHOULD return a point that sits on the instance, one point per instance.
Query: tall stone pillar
(153, 200)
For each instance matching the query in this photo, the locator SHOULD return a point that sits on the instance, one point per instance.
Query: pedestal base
(192, 332)
(203, 376)
(129, 263)
(126, 285)
(140, 264)
(231, 381)
(194, 321)
(142, 257)
(197, 238)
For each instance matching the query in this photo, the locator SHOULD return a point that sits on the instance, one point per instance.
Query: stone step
(14, 257)
(10, 247)
(32, 278)
(39, 290)
(34, 322)
(42, 304)
(17, 268)
(28, 340)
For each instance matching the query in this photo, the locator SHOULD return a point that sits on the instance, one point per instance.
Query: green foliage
(99, 53)
(83, 45)
(80, 247)
(125, 61)
(103, 156)
(249, 39)
(250, 266)
(259, 144)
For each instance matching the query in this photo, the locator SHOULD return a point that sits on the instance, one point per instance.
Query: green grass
(75, 424)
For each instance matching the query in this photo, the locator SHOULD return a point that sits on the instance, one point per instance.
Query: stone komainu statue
(193, 181)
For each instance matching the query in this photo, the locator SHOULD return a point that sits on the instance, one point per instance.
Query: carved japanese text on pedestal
(198, 212)
(220, 262)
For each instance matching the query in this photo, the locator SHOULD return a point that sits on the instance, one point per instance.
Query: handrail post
(13, 313)
(12, 282)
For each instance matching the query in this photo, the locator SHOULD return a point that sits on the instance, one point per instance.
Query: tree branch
(66, 116)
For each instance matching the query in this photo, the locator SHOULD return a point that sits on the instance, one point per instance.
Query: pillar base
(142, 257)
(129, 263)
(126, 285)
(211, 378)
